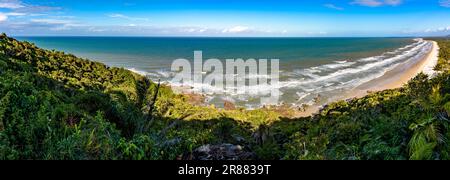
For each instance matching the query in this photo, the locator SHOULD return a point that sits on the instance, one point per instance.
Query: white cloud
(20, 6)
(430, 31)
(3, 17)
(438, 30)
(55, 24)
(237, 29)
(332, 6)
(194, 30)
(96, 30)
(50, 21)
(121, 16)
(11, 4)
(16, 14)
(444, 3)
(393, 2)
(370, 3)
(117, 16)
(377, 3)
(444, 29)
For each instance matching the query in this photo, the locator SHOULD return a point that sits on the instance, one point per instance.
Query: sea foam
(326, 80)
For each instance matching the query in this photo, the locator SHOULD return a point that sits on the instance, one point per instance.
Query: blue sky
(314, 18)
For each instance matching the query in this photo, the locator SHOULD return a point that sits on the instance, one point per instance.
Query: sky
(226, 18)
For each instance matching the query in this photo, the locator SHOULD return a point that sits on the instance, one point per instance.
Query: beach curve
(401, 74)
(392, 79)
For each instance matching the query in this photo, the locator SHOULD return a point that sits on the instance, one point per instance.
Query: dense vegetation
(57, 106)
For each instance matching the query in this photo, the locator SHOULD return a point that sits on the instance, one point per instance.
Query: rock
(238, 139)
(229, 105)
(317, 99)
(220, 152)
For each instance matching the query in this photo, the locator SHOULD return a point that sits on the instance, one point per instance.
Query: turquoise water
(310, 66)
(125, 51)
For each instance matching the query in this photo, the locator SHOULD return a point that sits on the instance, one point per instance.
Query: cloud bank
(332, 6)
(377, 3)
(121, 16)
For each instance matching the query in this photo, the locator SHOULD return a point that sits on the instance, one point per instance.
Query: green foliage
(57, 106)
(444, 55)
(407, 123)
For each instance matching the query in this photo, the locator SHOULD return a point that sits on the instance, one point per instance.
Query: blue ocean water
(125, 51)
(309, 66)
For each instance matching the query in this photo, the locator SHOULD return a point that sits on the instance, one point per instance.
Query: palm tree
(427, 135)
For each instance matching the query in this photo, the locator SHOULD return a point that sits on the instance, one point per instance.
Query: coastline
(392, 79)
(400, 75)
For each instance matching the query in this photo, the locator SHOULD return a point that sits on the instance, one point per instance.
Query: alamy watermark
(234, 76)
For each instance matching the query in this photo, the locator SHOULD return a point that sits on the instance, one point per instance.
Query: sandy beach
(395, 78)
(400, 75)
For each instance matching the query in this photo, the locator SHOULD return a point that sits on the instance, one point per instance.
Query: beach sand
(400, 75)
(392, 79)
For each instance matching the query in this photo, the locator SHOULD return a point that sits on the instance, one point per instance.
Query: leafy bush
(57, 106)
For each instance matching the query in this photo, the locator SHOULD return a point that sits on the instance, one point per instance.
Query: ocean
(310, 67)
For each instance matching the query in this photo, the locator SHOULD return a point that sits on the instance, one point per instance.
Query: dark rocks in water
(220, 152)
(317, 99)
(303, 107)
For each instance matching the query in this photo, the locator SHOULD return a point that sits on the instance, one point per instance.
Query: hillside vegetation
(57, 106)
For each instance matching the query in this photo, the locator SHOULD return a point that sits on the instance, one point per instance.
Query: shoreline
(400, 75)
(392, 79)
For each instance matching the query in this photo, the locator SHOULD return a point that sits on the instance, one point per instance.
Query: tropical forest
(56, 106)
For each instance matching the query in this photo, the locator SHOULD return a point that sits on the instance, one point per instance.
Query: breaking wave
(306, 84)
